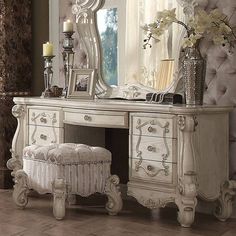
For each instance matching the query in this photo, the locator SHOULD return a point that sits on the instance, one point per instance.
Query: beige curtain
(144, 65)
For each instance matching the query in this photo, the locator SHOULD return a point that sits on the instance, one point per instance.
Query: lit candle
(67, 26)
(47, 49)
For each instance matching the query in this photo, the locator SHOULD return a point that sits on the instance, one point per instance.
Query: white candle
(67, 26)
(47, 49)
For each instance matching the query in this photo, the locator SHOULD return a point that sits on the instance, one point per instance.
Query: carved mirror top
(88, 28)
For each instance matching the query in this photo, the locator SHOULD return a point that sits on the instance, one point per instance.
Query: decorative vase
(194, 76)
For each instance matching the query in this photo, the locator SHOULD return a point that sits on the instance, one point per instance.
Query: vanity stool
(66, 170)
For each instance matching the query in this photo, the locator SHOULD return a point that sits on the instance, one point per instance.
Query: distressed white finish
(66, 170)
(177, 153)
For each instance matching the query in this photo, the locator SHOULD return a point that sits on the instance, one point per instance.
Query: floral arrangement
(214, 25)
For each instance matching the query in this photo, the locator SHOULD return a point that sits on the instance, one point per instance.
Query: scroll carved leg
(187, 200)
(224, 209)
(115, 203)
(15, 162)
(21, 189)
(59, 198)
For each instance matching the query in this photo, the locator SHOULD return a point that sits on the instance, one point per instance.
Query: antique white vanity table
(177, 153)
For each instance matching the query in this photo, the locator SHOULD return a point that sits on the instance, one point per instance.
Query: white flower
(191, 40)
(224, 29)
(219, 40)
(167, 14)
(213, 25)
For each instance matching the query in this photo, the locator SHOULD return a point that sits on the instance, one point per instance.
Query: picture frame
(82, 84)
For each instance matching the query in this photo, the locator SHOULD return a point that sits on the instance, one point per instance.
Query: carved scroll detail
(188, 6)
(224, 209)
(21, 189)
(18, 111)
(15, 162)
(138, 164)
(151, 203)
(154, 203)
(115, 203)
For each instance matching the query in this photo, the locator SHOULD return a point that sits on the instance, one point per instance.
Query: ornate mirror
(113, 40)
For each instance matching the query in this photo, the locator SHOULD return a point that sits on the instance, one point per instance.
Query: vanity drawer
(44, 135)
(151, 125)
(153, 171)
(97, 118)
(45, 117)
(153, 148)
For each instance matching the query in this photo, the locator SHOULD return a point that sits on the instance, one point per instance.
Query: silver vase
(194, 76)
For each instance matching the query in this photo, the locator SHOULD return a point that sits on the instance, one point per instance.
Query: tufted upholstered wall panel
(221, 66)
(221, 73)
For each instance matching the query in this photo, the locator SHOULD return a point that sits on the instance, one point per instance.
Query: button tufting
(223, 90)
(213, 71)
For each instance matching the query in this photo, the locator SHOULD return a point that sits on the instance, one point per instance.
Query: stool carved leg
(21, 189)
(115, 203)
(59, 198)
(224, 209)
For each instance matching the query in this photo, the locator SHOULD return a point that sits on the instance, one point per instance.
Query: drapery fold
(143, 64)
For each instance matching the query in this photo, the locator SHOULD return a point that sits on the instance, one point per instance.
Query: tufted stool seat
(65, 170)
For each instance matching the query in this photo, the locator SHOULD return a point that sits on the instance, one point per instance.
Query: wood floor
(91, 220)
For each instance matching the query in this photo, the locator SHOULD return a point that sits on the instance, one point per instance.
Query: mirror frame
(85, 12)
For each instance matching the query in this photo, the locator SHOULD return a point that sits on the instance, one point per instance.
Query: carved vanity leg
(15, 162)
(186, 200)
(224, 209)
(59, 198)
(115, 203)
(21, 189)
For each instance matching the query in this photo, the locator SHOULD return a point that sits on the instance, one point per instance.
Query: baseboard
(202, 206)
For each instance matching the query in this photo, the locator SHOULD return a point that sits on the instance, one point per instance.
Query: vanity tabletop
(120, 105)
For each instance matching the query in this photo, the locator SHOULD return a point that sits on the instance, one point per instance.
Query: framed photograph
(82, 84)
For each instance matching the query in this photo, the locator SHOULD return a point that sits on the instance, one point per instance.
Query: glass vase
(194, 76)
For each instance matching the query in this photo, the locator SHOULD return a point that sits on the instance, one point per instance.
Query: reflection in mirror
(124, 61)
(107, 20)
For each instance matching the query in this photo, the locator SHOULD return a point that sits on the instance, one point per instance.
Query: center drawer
(95, 118)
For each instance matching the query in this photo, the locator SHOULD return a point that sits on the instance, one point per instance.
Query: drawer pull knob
(150, 168)
(43, 120)
(151, 148)
(44, 137)
(87, 118)
(150, 129)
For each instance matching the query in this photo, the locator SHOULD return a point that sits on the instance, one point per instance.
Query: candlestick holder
(68, 59)
(48, 74)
